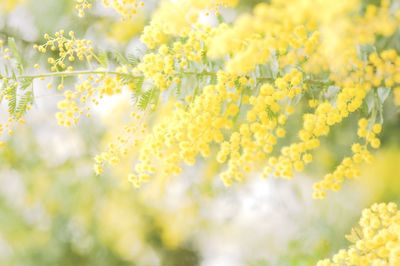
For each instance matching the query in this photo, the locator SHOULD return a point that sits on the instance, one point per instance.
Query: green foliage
(13, 47)
(11, 94)
(147, 98)
(119, 58)
(18, 97)
(23, 104)
(132, 60)
(103, 59)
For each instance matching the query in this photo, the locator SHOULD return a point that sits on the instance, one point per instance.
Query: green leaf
(14, 50)
(274, 66)
(138, 84)
(18, 105)
(332, 91)
(179, 89)
(365, 50)
(103, 59)
(23, 103)
(147, 98)
(137, 92)
(297, 99)
(119, 58)
(132, 60)
(220, 18)
(383, 93)
(355, 235)
(11, 93)
(25, 83)
(370, 101)
(127, 79)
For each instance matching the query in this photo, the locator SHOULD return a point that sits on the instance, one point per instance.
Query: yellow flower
(9, 5)
(375, 241)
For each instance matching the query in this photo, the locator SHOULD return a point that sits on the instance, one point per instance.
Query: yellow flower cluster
(264, 75)
(123, 31)
(175, 18)
(82, 5)
(377, 20)
(127, 8)
(316, 125)
(189, 130)
(396, 93)
(7, 127)
(375, 242)
(9, 94)
(228, 94)
(69, 49)
(165, 66)
(239, 84)
(9, 5)
(70, 110)
(289, 85)
(384, 69)
(90, 90)
(183, 135)
(92, 86)
(128, 140)
(160, 68)
(350, 166)
(5, 51)
(258, 135)
(250, 45)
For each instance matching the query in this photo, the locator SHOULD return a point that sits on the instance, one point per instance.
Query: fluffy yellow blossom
(130, 138)
(82, 5)
(396, 93)
(90, 91)
(124, 31)
(9, 5)
(258, 94)
(175, 18)
(165, 66)
(268, 59)
(127, 8)
(350, 166)
(69, 49)
(375, 241)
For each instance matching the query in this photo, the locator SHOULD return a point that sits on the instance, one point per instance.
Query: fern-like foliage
(10, 94)
(18, 59)
(147, 98)
(24, 102)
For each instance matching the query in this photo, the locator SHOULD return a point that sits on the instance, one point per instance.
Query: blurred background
(55, 211)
